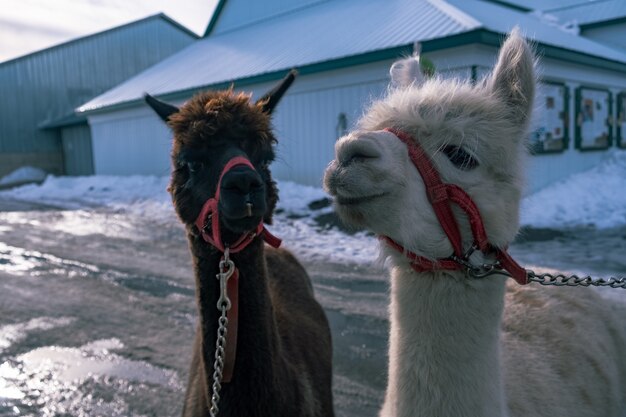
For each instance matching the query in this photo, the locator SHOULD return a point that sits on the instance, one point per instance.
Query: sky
(30, 25)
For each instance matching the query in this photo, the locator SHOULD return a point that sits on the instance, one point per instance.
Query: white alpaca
(461, 346)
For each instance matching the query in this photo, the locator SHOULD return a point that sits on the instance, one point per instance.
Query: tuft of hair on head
(406, 72)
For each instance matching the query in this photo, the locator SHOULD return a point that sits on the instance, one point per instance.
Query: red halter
(209, 216)
(440, 195)
(210, 213)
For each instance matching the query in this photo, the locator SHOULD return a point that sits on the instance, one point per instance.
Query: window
(550, 133)
(593, 119)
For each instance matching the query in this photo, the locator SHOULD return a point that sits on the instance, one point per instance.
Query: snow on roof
(329, 31)
(591, 12)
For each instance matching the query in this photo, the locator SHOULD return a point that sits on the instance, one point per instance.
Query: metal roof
(502, 20)
(591, 12)
(329, 31)
(105, 32)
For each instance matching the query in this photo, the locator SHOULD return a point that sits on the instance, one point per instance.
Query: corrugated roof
(591, 12)
(328, 31)
(105, 32)
(502, 20)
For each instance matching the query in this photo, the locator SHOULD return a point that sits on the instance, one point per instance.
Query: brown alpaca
(283, 357)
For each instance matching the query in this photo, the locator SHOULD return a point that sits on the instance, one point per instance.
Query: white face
(377, 186)
(473, 136)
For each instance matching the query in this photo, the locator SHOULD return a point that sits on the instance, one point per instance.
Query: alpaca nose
(357, 148)
(242, 194)
(241, 180)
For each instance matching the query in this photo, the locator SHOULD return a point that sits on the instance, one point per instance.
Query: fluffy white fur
(460, 346)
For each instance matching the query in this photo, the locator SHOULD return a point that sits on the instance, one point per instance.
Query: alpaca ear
(161, 108)
(270, 99)
(514, 77)
(406, 72)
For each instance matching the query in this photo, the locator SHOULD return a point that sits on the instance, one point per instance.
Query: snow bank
(23, 175)
(147, 197)
(593, 198)
(91, 191)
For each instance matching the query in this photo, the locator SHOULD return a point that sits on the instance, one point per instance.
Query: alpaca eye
(460, 158)
(194, 166)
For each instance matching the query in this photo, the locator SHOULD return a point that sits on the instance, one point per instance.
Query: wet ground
(97, 311)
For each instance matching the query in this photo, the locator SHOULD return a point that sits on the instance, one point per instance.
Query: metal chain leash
(562, 280)
(558, 280)
(218, 365)
(227, 267)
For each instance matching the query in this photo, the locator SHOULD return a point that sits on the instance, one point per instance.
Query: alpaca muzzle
(441, 195)
(208, 221)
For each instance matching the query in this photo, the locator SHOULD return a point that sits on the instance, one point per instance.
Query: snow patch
(570, 27)
(23, 175)
(13, 333)
(593, 198)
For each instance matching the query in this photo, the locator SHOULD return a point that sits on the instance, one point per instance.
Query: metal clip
(227, 268)
(207, 222)
(477, 271)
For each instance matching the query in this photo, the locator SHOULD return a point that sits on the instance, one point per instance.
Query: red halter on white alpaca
(210, 213)
(440, 195)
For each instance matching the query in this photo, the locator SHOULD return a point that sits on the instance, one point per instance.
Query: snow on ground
(146, 196)
(596, 197)
(593, 198)
(23, 175)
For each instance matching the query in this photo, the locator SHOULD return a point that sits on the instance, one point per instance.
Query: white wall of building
(135, 141)
(130, 142)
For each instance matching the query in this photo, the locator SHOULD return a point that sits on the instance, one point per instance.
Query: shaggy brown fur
(212, 120)
(284, 353)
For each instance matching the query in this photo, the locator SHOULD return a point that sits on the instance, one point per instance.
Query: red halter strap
(209, 215)
(440, 195)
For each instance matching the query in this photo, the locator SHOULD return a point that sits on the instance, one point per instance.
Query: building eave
(68, 120)
(602, 23)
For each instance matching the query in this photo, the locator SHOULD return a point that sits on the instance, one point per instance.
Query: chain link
(218, 365)
(557, 280)
(227, 268)
(562, 280)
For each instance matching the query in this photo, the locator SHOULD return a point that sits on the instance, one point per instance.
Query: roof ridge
(457, 14)
(263, 20)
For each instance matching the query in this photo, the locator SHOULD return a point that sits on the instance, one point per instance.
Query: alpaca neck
(444, 354)
(257, 361)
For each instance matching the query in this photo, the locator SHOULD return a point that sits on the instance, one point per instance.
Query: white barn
(343, 50)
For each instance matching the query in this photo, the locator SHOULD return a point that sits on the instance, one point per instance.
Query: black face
(209, 130)
(247, 196)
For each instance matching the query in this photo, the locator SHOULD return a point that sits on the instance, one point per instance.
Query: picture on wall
(550, 133)
(593, 127)
(621, 120)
